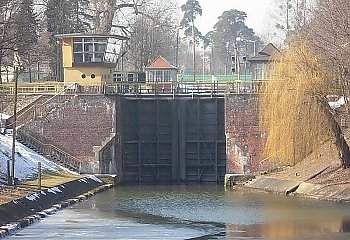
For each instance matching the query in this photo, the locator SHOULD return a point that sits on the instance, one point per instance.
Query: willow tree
(294, 110)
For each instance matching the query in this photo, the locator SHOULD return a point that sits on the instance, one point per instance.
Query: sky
(256, 10)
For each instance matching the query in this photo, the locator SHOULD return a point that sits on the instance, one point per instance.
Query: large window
(167, 76)
(89, 49)
(159, 76)
(259, 71)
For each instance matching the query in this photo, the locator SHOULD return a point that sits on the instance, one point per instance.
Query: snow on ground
(26, 160)
(337, 104)
(4, 116)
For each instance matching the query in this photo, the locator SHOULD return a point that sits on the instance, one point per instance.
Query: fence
(50, 151)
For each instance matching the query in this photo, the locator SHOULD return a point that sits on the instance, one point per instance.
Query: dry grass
(325, 159)
(291, 116)
(25, 188)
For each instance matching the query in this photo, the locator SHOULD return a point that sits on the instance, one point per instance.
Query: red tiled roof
(161, 62)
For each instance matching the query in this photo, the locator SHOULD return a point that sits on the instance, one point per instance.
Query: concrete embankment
(336, 193)
(20, 213)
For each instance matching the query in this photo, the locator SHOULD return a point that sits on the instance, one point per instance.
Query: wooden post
(9, 179)
(39, 175)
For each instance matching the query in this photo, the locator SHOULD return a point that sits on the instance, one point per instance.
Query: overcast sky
(256, 10)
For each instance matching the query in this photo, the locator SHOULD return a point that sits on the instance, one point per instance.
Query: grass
(49, 179)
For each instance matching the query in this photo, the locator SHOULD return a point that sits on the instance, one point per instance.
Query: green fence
(210, 78)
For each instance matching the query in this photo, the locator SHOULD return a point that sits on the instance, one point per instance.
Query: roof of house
(160, 63)
(90, 35)
(268, 53)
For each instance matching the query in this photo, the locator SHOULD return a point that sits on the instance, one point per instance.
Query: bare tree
(106, 11)
(153, 33)
(329, 35)
(18, 32)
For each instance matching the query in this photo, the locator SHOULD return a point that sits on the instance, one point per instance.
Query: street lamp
(177, 47)
(203, 61)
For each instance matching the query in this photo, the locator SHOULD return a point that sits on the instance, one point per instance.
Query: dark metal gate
(173, 140)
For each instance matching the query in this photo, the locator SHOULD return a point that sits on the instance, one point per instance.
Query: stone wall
(244, 141)
(77, 125)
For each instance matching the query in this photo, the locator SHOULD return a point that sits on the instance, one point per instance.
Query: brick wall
(244, 141)
(83, 122)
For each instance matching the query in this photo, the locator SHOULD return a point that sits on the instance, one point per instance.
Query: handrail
(32, 88)
(52, 151)
(179, 87)
(30, 113)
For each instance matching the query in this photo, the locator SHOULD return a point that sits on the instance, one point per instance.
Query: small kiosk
(90, 59)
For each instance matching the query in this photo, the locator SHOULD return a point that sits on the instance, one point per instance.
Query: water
(193, 212)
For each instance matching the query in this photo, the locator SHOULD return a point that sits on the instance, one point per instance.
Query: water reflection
(194, 212)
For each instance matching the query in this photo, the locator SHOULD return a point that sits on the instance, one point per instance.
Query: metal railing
(179, 87)
(174, 87)
(50, 151)
(39, 109)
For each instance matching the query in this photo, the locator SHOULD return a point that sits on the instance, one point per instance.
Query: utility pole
(14, 130)
(194, 50)
(177, 48)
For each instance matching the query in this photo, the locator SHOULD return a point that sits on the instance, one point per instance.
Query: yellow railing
(52, 152)
(37, 109)
(32, 88)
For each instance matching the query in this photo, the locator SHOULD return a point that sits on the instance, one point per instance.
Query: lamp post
(203, 62)
(194, 51)
(177, 47)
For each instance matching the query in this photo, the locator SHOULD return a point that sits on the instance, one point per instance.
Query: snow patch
(54, 190)
(93, 177)
(26, 161)
(83, 180)
(337, 104)
(4, 116)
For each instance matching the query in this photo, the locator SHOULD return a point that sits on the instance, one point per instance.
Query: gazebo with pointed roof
(161, 70)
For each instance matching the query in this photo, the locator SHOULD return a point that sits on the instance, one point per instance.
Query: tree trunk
(340, 142)
(0, 68)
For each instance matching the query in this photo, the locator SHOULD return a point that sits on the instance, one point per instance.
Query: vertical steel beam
(182, 139)
(216, 139)
(157, 138)
(175, 140)
(198, 139)
(120, 127)
(139, 140)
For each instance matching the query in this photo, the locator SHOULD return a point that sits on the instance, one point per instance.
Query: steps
(42, 107)
(50, 151)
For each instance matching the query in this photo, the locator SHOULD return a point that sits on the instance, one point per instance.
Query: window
(259, 71)
(118, 77)
(159, 75)
(130, 77)
(167, 76)
(93, 75)
(89, 49)
(83, 75)
(150, 76)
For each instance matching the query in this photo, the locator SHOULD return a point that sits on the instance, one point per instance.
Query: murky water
(193, 212)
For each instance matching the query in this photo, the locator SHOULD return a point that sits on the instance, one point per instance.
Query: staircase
(50, 151)
(41, 108)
